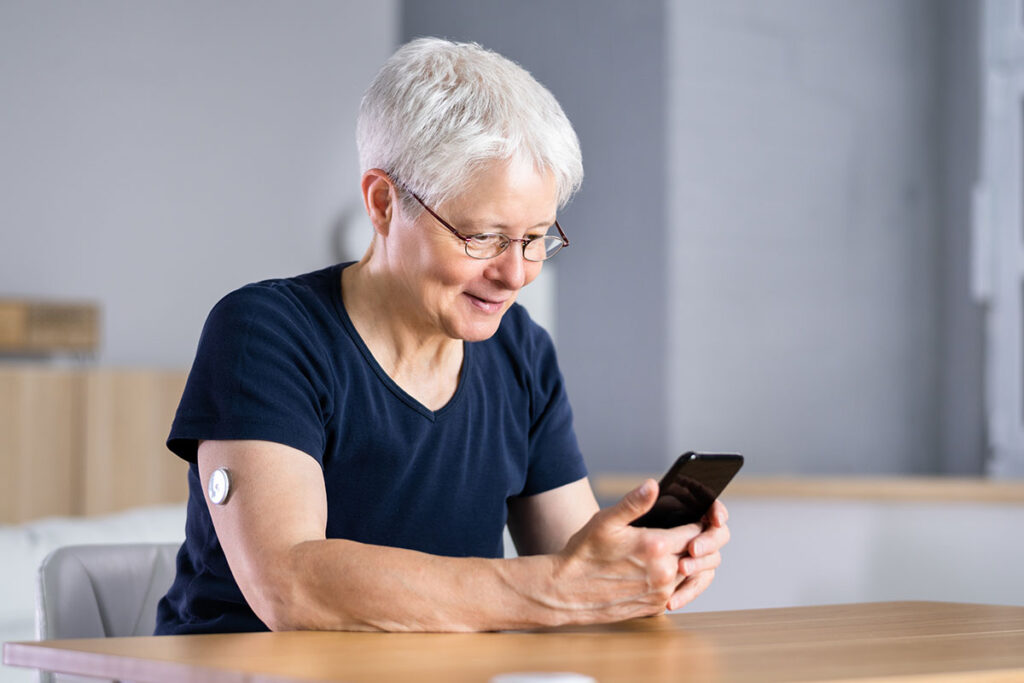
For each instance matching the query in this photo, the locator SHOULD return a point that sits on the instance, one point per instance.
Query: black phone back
(689, 488)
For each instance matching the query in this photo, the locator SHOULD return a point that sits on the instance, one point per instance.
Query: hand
(702, 557)
(611, 571)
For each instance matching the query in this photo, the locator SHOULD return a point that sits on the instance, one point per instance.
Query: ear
(379, 198)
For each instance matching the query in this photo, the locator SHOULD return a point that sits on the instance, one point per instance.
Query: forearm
(344, 585)
(294, 578)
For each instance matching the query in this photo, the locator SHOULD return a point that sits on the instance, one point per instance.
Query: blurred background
(799, 237)
(771, 251)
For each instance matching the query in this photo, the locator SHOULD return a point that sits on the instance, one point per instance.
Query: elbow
(278, 616)
(301, 616)
(295, 607)
(292, 609)
(286, 596)
(276, 591)
(279, 610)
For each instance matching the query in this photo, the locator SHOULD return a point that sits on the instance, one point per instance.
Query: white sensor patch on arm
(219, 486)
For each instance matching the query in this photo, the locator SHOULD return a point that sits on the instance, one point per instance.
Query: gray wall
(604, 61)
(848, 551)
(155, 155)
(806, 299)
(808, 199)
(770, 248)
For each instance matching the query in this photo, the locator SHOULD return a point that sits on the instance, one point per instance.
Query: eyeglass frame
(466, 238)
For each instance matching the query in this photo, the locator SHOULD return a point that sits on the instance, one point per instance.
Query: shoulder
(520, 332)
(295, 300)
(297, 313)
(524, 343)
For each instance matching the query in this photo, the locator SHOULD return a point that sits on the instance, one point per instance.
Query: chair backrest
(101, 591)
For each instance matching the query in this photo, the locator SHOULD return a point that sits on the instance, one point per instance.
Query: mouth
(485, 304)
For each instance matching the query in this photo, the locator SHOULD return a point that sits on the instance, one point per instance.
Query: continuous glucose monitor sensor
(219, 486)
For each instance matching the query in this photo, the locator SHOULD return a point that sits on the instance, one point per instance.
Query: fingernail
(646, 488)
(698, 548)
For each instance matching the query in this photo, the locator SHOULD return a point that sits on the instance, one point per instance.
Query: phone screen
(688, 489)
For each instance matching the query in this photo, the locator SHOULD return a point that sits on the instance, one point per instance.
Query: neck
(402, 342)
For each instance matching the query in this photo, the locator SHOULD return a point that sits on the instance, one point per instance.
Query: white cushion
(23, 547)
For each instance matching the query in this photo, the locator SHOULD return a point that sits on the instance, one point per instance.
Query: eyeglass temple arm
(561, 233)
(440, 220)
(464, 238)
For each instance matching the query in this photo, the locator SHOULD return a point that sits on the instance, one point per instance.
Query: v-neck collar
(385, 378)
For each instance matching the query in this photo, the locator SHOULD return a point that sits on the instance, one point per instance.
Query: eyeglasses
(490, 244)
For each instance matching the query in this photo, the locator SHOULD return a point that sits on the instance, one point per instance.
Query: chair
(102, 591)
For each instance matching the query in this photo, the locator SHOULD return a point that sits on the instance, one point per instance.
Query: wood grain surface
(900, 641)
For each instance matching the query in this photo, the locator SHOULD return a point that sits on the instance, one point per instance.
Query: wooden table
(897, 641)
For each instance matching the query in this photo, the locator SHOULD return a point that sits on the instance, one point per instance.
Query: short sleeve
(258, 374)
(555, 458)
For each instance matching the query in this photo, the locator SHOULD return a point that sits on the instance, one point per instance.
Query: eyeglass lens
(490, 245)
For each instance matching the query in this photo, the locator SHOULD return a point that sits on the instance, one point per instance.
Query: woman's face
(456, 295)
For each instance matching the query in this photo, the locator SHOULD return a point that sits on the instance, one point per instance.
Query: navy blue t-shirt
(280, 361)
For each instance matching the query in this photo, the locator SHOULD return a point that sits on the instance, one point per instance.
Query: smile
(485, 305)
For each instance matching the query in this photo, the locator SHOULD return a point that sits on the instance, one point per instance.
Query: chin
(475, 333)
(471, 325)
(475, 330)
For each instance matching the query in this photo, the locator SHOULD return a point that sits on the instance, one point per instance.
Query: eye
(486, 238)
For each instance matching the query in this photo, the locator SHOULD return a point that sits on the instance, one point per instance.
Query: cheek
(532, 271)
(457, 271)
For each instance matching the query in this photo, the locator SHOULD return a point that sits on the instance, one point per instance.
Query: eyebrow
(502, 226)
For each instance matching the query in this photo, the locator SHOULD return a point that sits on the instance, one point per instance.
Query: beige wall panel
(128, 414)
(10, 443)
(39, 449)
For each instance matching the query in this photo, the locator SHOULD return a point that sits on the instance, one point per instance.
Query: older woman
(360, 436)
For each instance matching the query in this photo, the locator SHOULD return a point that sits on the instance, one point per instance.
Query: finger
(718, 515)
(689, 566)
(678, 539)
(690, 589)
(710, 541)
(634, 504)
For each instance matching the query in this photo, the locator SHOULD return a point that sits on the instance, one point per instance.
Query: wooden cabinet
(86, 441)
(39, 466)
(48, 326)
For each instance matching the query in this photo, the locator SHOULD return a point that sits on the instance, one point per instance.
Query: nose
(508, 268)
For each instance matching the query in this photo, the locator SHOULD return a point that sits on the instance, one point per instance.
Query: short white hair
(437, 110)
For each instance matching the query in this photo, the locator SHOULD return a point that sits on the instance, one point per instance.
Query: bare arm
(273, 533)
(545, 522)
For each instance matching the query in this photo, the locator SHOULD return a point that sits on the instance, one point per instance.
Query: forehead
(502, 191)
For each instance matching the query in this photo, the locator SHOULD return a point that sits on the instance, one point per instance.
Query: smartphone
(690, 486)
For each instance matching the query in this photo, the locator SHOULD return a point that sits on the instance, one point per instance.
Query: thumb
(634, 504)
